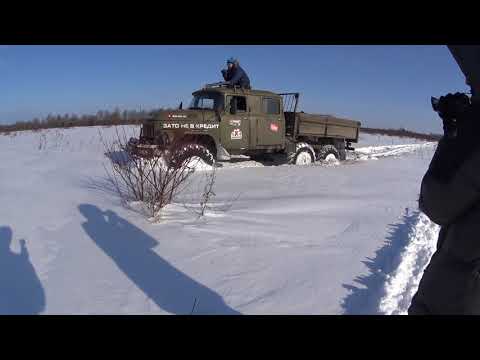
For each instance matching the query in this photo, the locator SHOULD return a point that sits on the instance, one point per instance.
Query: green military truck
(223, 121)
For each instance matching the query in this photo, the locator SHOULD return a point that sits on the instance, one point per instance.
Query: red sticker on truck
(274, 127)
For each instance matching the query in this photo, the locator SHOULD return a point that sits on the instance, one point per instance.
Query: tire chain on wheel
(325, 150)
(292, 157)
(191, 150)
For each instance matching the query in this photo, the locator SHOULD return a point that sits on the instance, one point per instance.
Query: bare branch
(156, 180)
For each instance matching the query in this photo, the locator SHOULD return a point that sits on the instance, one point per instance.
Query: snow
(198, 164)
(402, 284)
(339, 238)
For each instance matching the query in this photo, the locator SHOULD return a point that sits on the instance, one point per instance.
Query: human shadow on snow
(21, 292)
(368, 290)
(131, 250)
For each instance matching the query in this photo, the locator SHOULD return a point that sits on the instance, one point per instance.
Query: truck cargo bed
(322, 126)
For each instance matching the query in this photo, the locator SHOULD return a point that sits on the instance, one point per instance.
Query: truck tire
(305, 155)
(327, 151)
(342, 151)
(189, 151)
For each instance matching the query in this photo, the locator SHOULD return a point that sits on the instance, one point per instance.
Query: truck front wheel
(191, 151)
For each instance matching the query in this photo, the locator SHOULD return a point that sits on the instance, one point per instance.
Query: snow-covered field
(339, 239)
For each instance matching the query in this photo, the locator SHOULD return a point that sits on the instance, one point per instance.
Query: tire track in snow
(401, 285)
(360, 154)
(375, 152)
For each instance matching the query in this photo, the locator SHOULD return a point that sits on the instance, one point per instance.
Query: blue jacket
(236, 77)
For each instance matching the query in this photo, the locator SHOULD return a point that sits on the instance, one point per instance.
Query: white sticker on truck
(189, 126)
(236, 134)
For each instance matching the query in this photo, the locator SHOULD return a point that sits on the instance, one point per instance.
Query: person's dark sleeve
(236, 77)
(226, 74)
(449, 189)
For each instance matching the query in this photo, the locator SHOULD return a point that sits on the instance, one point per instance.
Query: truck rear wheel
(328, 153)
(341, 148)
(190, 151)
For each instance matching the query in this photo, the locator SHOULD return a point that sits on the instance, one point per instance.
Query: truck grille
(148, 131)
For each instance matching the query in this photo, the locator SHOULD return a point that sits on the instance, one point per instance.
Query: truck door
(235, 123)
(271, 122)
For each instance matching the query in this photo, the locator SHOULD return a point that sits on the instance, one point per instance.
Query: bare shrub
(155, 180)
(42, 141)
(58, 138)
(208, 192)
(199, 192)
(199, 195)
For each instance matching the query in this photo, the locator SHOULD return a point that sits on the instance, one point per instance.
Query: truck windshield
(206, 101)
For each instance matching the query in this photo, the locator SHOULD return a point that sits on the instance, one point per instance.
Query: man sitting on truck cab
(234, 75)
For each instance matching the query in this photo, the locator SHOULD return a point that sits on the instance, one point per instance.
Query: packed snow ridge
(403, 283)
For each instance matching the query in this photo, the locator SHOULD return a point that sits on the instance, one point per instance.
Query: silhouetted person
(21, 292)
(450, 197)
(131, 250)
(234, 75)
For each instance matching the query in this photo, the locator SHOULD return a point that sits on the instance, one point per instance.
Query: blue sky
(382, 86)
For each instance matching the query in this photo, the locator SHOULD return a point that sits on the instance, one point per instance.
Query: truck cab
(250, 120)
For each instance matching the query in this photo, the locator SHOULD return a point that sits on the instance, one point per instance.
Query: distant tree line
(402, 133)
(130, 117)
(101, 118)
